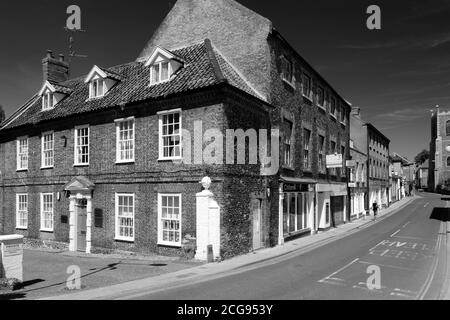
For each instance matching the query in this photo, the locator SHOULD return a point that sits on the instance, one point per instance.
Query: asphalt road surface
(400, 257)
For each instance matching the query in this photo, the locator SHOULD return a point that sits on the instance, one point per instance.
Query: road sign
(350, 163)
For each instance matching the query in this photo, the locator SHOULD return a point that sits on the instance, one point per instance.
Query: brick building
(94, 162)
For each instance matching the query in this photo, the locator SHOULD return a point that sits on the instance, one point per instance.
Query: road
(406, 252)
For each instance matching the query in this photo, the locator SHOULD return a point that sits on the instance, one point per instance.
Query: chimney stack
(55, 70)
(356, 112)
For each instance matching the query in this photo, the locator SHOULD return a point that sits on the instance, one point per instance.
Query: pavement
(262, 274)
(46, 271)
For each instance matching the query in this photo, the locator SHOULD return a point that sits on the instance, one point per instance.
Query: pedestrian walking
(375, 210)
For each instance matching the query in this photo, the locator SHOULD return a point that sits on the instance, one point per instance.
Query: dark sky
(396, 75)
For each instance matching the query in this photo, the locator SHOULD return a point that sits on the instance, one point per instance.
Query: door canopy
(79, 185)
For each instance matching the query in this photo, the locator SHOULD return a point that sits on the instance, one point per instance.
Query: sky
(396, 75)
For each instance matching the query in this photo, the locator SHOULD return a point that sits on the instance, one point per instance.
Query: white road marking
(363, 286)
(426, 204)
(405, 291)
(331, 276)
(406, 224)
(427, 283)
(401, 295)
(393, 235)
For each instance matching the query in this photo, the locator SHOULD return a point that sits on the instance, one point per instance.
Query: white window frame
(24, 212)
(323, 105)
(95, 95)
(307, 95)
(159, 64)
(306, 149)
(161, 137)
(287, 70)
(343, 112)
(334, 115)
(43, 165)
(116, 222)
(48, 97)
(20, 153)
(118, 122)
(288, 142)
(76, 146)
(43, 228)
(160, 222)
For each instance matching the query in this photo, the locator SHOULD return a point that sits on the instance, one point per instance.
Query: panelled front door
(81, 209)
(257, 223)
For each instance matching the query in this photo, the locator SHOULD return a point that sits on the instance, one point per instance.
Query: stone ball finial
(206, 183)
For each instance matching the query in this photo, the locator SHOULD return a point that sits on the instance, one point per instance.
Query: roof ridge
(213, 61)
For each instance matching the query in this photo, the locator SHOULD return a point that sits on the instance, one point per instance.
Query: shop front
(331, 203)
(296, 208)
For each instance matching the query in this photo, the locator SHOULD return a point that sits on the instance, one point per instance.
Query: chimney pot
(49, 54)
(61, 57)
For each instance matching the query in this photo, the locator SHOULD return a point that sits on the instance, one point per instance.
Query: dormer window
(47, 100)
(97, 88)
(51, 94)
(163, 65)
(160, 72)
(101, 81)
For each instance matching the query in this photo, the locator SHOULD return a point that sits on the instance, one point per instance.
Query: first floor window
(321, 147)
(47, 211)
(333, 110)
(286, 69)
(287, 143)
(125, 140)
(306, 142)
(320, 97)
(47, 150)
(170, 135)
(22, 154)
(82, 146)
(169, 216)
(21, 211)
(125, 217)
(307, 86)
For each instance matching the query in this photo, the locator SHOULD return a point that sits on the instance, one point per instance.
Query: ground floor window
(125, 217)
(296, 207)
(21, 211)
(169, 219)
(47, 212)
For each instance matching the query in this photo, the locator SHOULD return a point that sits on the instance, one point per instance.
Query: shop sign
(295, 187)
(334, 161)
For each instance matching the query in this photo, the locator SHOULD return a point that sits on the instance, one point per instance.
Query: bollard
(210, 254)
(11, 260)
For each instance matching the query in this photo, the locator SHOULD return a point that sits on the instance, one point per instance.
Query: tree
(423, 156)
(2, 114)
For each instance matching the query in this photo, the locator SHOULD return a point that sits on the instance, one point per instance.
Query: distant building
(422, 175)
(398, 164)
(439, 164)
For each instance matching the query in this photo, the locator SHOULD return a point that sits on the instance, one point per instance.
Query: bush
(10, 284)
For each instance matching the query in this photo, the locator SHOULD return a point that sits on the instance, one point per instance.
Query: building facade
(378, 173)
(439, 164)
(358, 186)
(112, 160)
(422, 175)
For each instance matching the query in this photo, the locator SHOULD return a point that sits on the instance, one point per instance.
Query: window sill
(126, 162)
(22, 228)
(170, 159)
(81, 165)
(46, 168)
(307, 98)
(22, 170)
(289, 83)
(46, 230)
(169, 244)
(322, 107)
(343, 123)
(124, 240)
(333, 117)
(286, 167)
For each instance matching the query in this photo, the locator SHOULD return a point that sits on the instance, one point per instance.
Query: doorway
(81, 210)
(257, 224)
